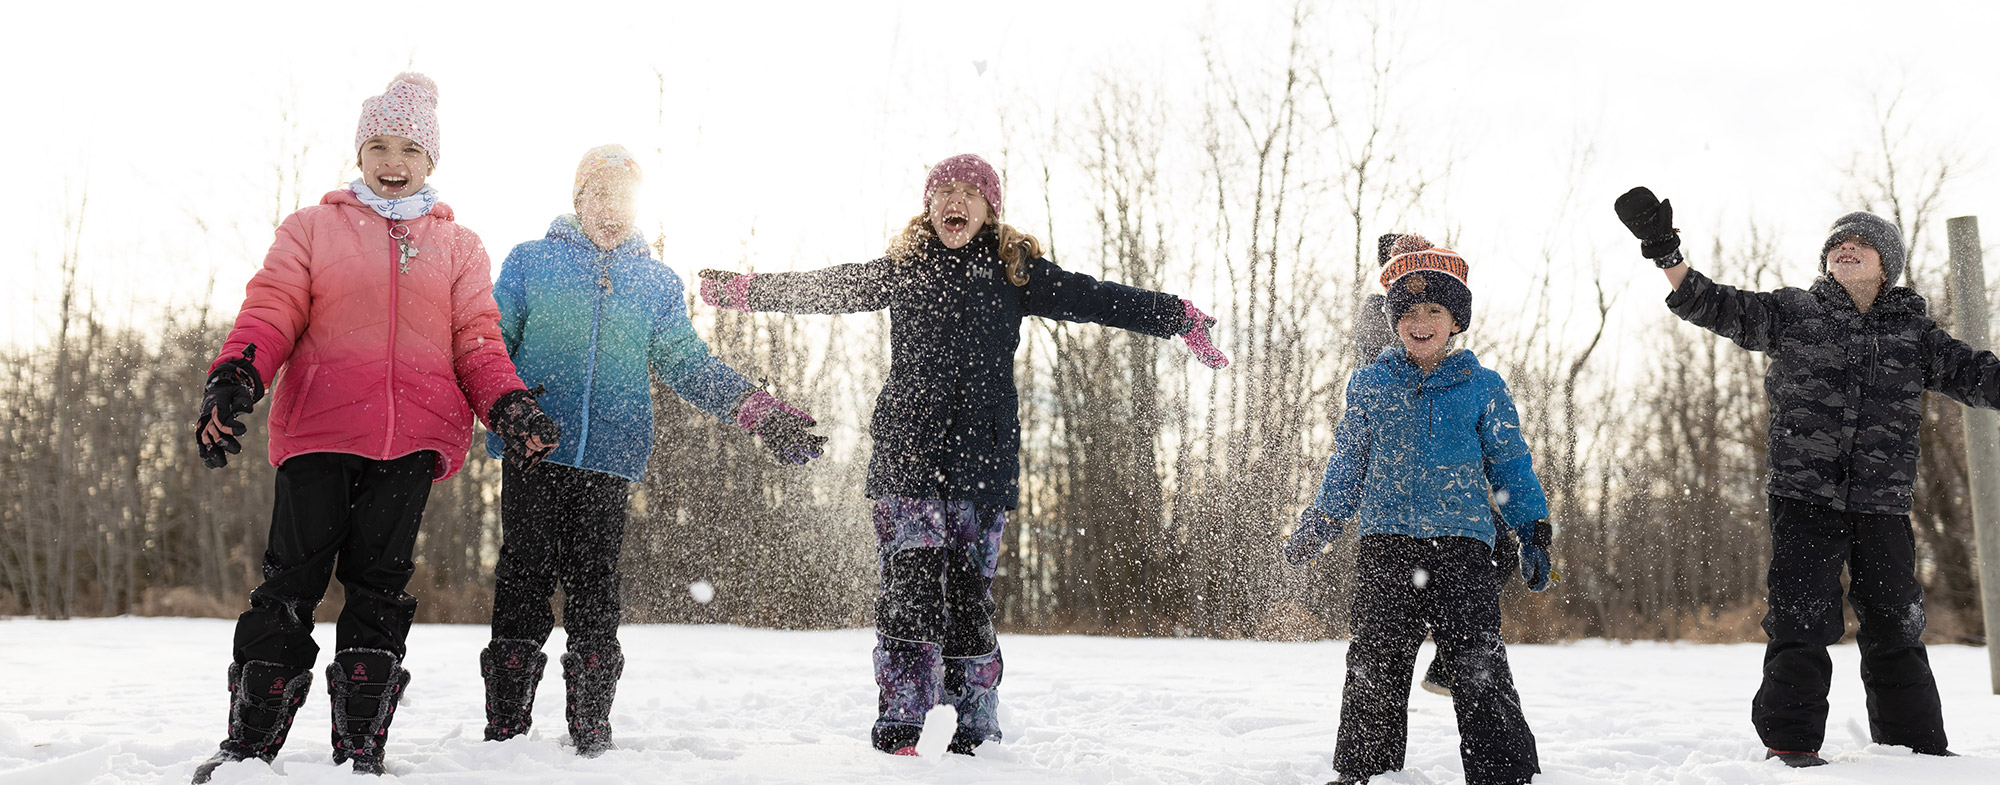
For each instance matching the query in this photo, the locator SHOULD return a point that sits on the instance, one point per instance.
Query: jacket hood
(344, 196)
(1891, 300)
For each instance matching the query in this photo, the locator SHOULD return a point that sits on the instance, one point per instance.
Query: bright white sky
(797, 134)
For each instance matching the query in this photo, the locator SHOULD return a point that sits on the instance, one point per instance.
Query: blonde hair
(1016, 246)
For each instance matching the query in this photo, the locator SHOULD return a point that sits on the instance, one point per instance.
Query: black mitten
(233, 388)
(1652, 221)
(527, 434)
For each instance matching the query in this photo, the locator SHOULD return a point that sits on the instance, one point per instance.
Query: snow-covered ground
(135, 700)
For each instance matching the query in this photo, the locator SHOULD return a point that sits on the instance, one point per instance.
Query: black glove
(1652, 221)
(233, 388)
(527, 434)
(1535, 566)
(783, 427)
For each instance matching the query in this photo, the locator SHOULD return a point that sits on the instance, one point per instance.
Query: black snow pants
(1447, 586)
(345, 516)
(1810, 543)
(1506, 562)
(559, 524)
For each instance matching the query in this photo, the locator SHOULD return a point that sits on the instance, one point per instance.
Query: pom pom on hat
(965, 168)
(602, 158)
(408, 108)
(417, 79)
(1419, 272)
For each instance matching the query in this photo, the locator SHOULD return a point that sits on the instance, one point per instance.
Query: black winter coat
(947, 424)
(1845, 387)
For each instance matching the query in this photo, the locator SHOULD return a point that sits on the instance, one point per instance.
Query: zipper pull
(400, 232)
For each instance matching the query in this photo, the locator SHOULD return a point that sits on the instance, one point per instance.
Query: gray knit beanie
(1888, 242)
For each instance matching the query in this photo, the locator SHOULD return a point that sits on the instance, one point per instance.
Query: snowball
(701, 591)
(1420, 578)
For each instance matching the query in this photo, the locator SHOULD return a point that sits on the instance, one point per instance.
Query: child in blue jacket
(590, 316)
(946, 467)
(1427, 438)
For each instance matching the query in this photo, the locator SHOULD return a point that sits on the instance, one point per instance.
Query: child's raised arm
(1750, 319)
(842, 288)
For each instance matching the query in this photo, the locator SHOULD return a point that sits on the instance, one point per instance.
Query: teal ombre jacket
(592, 326)
(1417, 453)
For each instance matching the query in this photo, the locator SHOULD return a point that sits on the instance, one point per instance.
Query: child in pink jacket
(374, 318)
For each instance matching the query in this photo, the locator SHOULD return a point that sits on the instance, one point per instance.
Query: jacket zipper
(1876, 358)
(396, 260)
(590, 364)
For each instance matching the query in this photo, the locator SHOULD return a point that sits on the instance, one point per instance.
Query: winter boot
(911, 676)
(263, 699)
(1796, 760)
(591, 673)
(365, 684)
(1437, 678)
(511, 668)
(971, 686)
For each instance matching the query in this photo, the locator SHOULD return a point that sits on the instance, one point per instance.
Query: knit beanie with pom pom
(1419, 272)
(407, 109)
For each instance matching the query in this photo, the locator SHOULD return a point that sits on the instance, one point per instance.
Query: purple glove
(724, 289)
(1196, 336)
(782, 426)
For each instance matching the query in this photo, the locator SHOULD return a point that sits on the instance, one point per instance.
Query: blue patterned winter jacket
(593, 326)
(1416, 453)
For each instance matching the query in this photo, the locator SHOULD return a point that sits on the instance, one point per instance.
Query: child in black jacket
(1851, 357)
(957, 284)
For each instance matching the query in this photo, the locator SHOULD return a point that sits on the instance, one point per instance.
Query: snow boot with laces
(366, 685)
(263, 699)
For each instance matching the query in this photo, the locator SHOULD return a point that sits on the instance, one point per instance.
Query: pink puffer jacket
(376, 362)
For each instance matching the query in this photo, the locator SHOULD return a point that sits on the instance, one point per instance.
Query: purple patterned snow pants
(934, 639)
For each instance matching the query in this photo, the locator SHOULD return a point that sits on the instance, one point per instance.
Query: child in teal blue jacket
(1428, 436)
(589, 316)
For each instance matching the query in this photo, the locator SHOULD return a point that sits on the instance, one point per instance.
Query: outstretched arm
(1056, 293)
(1964, 374)
(683, 361)
(1750, 319)
(843, 288)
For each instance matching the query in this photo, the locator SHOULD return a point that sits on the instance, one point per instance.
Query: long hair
(1016, 246)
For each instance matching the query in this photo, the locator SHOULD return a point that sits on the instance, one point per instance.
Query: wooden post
(1982, 427)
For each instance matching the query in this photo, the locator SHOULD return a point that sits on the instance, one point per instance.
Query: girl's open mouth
(392, 182)
(955, 222)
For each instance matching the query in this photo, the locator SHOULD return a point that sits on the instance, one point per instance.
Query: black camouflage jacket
(1846, 387)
